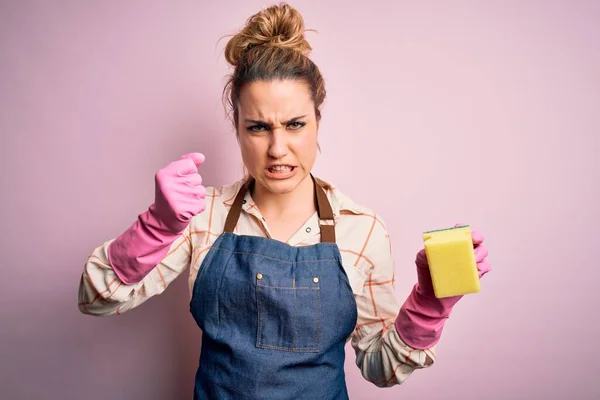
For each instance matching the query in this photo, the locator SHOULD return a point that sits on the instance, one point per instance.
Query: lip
(280, 175)
(280, 164)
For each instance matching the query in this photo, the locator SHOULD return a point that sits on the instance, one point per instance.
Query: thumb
(421, 259)
(197, 158)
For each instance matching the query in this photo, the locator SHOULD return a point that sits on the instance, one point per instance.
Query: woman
(284, 268)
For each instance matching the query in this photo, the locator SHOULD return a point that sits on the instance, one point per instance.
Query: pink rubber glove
(179, 196)
(422, 316)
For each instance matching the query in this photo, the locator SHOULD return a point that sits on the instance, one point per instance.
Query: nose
(278, 146)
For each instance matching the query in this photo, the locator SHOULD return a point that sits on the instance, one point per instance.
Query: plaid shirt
(364, 243)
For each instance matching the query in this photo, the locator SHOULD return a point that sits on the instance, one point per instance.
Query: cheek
(251, 151)
(312, 139)
(307, 147)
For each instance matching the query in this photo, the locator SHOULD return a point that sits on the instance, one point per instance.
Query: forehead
(275, 99)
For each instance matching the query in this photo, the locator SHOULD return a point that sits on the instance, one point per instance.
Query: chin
(281, 186)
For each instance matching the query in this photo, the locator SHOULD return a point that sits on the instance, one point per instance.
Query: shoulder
(362, 238)
(223, 195)
(219, 200)
(349, 209)
(360, 228)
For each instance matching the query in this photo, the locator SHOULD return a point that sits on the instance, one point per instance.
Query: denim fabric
(275, 320)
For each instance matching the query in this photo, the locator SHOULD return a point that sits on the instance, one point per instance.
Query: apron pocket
(289, 313)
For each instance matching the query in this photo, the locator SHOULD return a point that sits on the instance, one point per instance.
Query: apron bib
(275, 318)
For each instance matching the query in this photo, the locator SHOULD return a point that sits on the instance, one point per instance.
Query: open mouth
(281, 169)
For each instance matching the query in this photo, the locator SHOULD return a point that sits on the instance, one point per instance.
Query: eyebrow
(258, 122)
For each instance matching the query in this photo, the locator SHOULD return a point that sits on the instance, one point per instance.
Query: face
(277, 132)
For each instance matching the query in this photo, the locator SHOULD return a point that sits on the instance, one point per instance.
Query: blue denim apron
(275, 318)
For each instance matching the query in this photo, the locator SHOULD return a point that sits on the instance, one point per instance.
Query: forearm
(138, 250)
(385, 359)
(101, 292)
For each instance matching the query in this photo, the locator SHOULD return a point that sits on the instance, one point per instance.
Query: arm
(153, 251)
(392, 343)
(102, 293)
(422, 316)
(382, 356)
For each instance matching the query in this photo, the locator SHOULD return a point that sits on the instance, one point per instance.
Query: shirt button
(244, 202)
(316, 279)
(308, 229)
(259, 276)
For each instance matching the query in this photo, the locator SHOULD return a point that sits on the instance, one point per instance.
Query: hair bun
(276, 26)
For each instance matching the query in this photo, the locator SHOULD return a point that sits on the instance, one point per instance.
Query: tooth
(281, 168)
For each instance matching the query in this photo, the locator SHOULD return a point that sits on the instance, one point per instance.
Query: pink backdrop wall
(498, 100)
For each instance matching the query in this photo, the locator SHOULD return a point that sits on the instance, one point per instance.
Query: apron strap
(324, 211)
(236, 207)
(326, 220)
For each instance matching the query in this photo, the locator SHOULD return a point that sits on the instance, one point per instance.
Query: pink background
(496, 100)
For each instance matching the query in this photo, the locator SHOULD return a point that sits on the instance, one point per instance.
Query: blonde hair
(271, 46)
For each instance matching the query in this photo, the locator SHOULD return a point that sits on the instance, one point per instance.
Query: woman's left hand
(481, 253)
(421, 319)
(424, 277)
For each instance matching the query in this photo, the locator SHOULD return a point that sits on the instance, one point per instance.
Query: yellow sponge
(451, 261)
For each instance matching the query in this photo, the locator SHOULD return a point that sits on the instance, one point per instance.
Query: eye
(256, 128)
(296, 125)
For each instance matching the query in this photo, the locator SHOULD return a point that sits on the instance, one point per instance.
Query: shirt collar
(339, 201)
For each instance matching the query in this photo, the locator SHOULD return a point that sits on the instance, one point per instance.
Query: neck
(301, 199)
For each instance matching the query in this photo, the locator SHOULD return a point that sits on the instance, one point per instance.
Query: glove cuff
(421, 318)
(137, 251)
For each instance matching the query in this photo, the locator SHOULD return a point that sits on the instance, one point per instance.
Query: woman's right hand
(179, 194)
